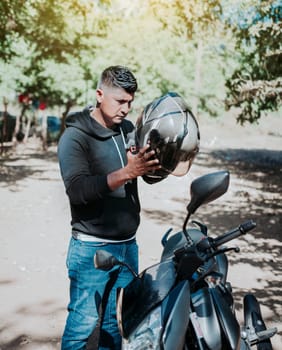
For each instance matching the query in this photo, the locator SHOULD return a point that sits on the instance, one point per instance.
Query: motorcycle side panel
(178, 305)
(207, 318)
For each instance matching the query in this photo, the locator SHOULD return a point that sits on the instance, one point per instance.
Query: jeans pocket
(69, 253)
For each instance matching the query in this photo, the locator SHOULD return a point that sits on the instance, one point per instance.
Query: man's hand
(141, 163)
(137, 165)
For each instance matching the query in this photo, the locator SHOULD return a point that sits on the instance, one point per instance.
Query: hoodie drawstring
(118, 149)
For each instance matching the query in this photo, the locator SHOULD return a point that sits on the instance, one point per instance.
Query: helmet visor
(173, 160)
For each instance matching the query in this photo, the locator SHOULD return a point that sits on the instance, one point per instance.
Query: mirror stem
(189, 239)
(129, 268)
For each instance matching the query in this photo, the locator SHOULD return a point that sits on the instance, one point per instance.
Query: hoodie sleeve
(81, 186)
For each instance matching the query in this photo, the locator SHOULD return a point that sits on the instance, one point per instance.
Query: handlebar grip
(239, 231)
(247, 226)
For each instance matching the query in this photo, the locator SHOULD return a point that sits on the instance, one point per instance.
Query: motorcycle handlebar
(238, 231)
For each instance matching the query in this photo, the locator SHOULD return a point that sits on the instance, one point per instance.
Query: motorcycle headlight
(147, 334)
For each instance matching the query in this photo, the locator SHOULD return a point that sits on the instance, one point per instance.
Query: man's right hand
(141, 163)
(137, 165)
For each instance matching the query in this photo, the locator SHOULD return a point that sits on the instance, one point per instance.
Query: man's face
(114, 105)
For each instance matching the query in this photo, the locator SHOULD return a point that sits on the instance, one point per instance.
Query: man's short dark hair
(118, 76)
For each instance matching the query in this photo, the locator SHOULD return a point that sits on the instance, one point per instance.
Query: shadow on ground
(32, 325)
(256, 195)
(14, 168)
(24, 342)
(31, 340)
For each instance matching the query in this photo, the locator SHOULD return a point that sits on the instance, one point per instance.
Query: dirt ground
(35, 228)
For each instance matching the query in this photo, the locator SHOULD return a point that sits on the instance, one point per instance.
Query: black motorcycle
(185, 301)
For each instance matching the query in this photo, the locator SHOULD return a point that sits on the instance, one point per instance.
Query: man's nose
(125, 108)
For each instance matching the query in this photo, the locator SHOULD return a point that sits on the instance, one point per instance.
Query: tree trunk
(44, 127)
(27, 129)
(17, 135)
(198, 76)
(69, 104)
(4, 125)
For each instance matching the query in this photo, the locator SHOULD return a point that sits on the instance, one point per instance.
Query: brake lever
(222, 251)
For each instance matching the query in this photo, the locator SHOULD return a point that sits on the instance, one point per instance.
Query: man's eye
(122, 102)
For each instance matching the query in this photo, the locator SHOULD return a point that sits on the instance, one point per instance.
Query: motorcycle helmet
(169, 126)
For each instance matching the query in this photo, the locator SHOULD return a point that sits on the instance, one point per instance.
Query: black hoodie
(87, 152)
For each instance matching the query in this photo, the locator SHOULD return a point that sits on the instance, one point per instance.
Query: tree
(197, 22)
(52, 27)
(42, 42)
(256, 84)
(152, 40)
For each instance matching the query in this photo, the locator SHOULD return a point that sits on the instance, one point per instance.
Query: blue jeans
(87, 286)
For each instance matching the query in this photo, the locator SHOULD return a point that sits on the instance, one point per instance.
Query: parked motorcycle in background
(185, 301)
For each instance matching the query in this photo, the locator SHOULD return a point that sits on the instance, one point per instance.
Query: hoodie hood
(83, 121)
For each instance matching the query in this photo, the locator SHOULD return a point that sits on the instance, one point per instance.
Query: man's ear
(99, 95)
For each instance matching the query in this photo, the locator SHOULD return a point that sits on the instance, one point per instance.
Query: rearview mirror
(104, 260)
(207, 188)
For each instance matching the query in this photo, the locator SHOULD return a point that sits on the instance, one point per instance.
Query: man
(100, 177)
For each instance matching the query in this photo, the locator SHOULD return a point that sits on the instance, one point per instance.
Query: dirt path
(34, 235)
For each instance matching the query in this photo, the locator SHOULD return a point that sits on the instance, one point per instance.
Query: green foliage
(42, 24)
(256, 85)
(199, 24)
(55, 50)
(41, 44)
